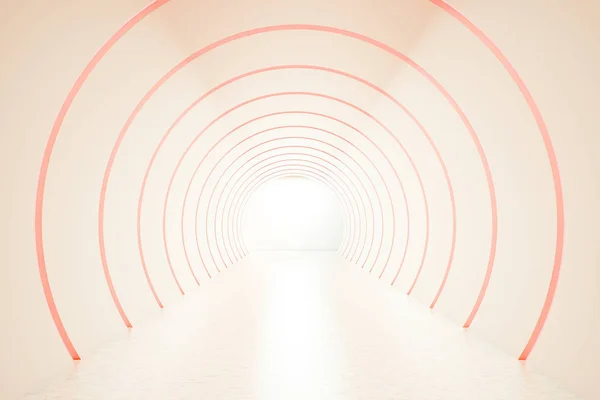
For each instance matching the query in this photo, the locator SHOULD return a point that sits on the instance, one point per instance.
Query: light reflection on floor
(297, 336)
(287, 326)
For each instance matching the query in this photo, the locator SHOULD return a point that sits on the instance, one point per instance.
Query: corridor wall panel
(522, 182)
(549, 45)
(41, 59)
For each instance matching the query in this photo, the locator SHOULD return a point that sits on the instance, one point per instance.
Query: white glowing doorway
(293, 213)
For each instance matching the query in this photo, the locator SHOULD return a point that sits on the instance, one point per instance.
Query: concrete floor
(303, 325)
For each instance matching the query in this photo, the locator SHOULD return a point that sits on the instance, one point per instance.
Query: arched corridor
(299, 199)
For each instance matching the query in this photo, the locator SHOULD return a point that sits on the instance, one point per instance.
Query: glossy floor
(286, 326)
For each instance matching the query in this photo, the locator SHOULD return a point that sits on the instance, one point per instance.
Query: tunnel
(318, 199)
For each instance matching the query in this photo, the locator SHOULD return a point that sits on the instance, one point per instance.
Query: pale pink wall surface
(45, 47)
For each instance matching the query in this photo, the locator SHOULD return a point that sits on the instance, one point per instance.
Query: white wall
(293, 213)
